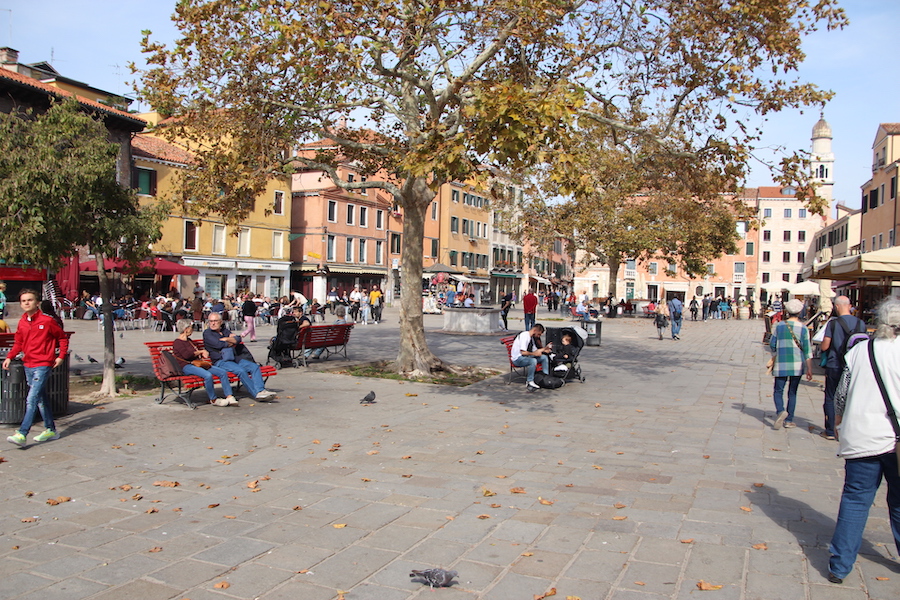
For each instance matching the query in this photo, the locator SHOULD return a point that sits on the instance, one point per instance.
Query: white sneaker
(220, 402)
(532, 386)
(265, 395)
(231, 400)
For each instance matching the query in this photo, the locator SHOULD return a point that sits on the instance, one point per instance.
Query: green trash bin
(14, 391)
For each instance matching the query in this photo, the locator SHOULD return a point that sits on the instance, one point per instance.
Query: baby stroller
(287, 331)
(569, 368)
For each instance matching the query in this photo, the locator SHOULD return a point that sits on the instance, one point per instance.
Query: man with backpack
(837, 334)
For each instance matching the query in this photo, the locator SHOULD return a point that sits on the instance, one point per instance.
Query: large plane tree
(425, 92)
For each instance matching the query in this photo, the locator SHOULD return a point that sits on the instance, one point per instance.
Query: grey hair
(888, 315)
(183, 324)
(340, 311)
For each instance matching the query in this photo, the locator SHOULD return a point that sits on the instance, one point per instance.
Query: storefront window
(275, 287)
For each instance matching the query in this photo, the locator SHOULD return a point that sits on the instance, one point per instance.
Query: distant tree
(58, 191)
(428, 92)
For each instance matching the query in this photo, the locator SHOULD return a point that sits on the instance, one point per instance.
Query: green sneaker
(47, 435)
(17, 438)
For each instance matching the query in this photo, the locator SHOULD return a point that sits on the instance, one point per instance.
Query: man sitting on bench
(228, 352)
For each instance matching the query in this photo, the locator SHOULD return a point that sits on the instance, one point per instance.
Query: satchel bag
(892, 415)
(169, 365)
(203, 364)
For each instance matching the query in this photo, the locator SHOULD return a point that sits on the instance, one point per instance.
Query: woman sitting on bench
(196, 362)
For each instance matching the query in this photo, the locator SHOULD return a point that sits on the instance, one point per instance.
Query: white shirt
(469, 303)
(865, 428)
(355, 296)
(520, 343)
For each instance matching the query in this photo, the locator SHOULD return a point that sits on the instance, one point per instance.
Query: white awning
(539, 279)
(465, 279)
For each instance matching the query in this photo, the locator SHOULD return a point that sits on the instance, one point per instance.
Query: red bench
(177, 386)
(508, 342)
(333, 338)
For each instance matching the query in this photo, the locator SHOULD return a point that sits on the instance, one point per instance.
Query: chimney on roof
(8, 56)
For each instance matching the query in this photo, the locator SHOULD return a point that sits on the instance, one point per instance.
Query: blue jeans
(531, 363)
(37, 398)
(780, 382)
(529, 321)
(862, 476)
(248, 372)
(207, 375)
(832, 378)
(676, 327)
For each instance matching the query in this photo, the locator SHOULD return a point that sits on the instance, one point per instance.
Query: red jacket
(38, 337)
(529, 304)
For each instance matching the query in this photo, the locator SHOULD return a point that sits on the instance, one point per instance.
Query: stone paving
(661, 471)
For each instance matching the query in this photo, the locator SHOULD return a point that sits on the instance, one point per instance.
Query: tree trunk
(108, 387)
(614, 264)
(414, 358)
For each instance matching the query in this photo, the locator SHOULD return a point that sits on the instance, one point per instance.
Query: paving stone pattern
(660, 471)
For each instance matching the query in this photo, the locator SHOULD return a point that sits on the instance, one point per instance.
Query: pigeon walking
(369, 398)
(120, 361)
(436, 577)
(78, 358)
(92, 359)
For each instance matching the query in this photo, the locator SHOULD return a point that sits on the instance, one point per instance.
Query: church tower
(822, 159)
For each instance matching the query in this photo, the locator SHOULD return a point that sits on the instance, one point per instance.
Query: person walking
(866, 405)
(661, 320)
(837, 334)
(694, 308)
(793, 359)
(505, 305)
(676, 306)
(529, 306)
(44, 345)
(248, 309)
(706, 306)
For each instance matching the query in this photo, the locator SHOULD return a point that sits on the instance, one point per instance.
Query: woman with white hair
(793, 358)
(868, 434)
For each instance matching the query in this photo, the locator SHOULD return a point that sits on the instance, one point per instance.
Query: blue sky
(93, 41)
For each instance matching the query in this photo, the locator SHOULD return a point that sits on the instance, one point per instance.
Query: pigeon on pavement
(369, 398)
(92, 359)
(119, 362)
(436, 577)
(78, 358)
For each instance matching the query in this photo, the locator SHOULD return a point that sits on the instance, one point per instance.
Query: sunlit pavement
(659, 472)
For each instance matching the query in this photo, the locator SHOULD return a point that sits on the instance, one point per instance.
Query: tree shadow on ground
(813, 530)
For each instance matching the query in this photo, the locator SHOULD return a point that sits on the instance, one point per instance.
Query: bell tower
(822, 159)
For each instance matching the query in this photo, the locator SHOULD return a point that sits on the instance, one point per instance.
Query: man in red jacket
(529, 305)
(38, 337)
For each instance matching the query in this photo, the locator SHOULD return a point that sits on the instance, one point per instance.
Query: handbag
(203, 364)
(892, 415)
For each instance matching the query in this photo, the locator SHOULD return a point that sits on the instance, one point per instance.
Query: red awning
(23, 274)
(160, 266)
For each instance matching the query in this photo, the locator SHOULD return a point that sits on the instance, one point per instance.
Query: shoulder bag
(892, 415)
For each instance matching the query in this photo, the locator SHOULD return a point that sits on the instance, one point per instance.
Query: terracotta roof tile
(150, 147)
(55, 91)
(891, 128)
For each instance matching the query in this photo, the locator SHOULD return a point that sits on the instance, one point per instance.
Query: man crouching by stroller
(526, 353)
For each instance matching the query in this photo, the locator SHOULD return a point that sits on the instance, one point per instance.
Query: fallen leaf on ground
(408, 394)
(151, 510)
(125, 488)
(253, 484)
(316, 442)
(230, 517)
(517, 490)
(759, 547)
(29, 520)
(176, 510)
(706, 456)
(136, 497)
(487, 493)
(758, 484)
(687, 541)
(570, 485)
(212, 506)
(592, 451)
(500, 476)
(155, 549)
(480, 452)
(484, 516)
(598, 467)
(620, 453)
(52, 501)
(166, 483)
(547, 594)
(371, 452)
(407, 476)
(117, 447)
(639, 583)
(496, 505)
(707, 587)
(573, 597)
(222, 585)
(339, 525)
(882, 579)
(545, 502)
(407, 457)
(29, 494)
(298, 507)
(619, 518)
(620, 505)
(746, 509)
(528, 554)
(597, 405)
(365, 479)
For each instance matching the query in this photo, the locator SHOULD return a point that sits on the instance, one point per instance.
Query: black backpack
(548, 382)
(847, 335)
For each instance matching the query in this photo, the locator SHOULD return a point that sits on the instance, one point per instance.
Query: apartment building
(464, 242)
(880, 216)
(252, 257)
